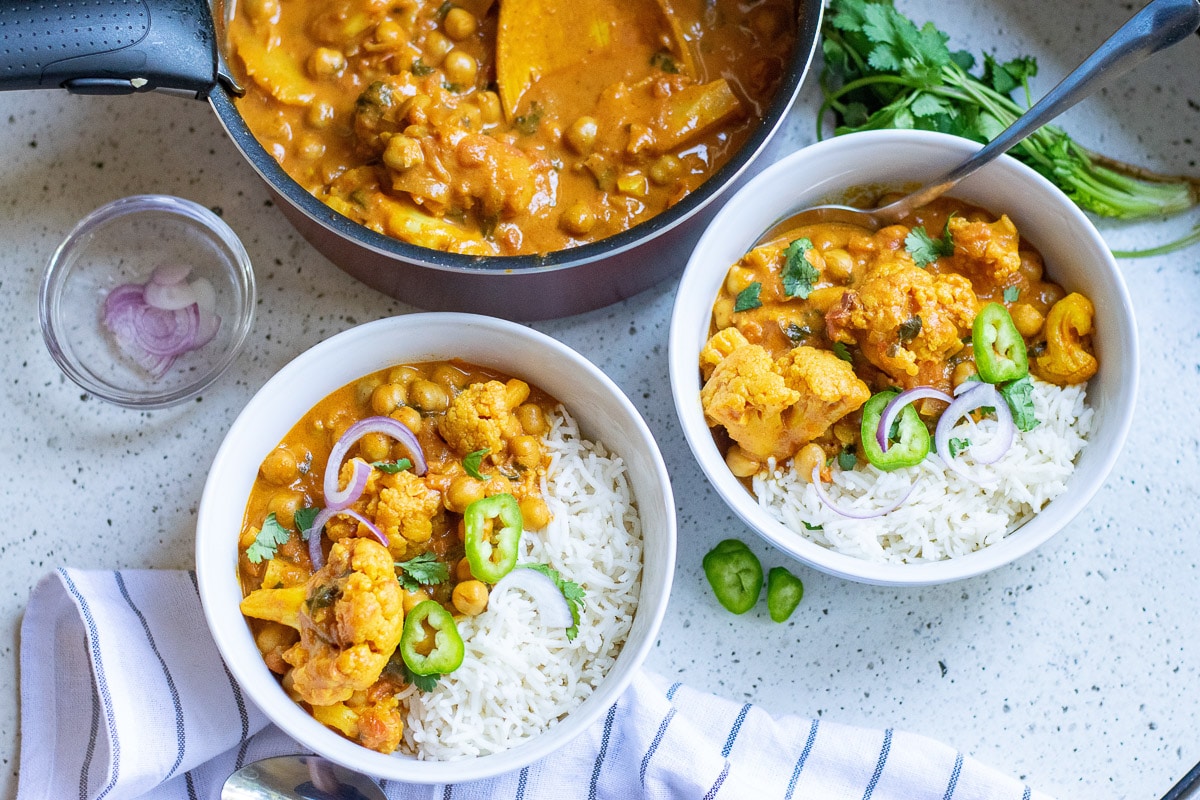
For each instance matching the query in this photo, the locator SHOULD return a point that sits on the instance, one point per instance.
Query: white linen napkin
(124, 695)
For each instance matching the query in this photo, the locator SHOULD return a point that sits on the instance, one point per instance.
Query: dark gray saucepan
(129, 46)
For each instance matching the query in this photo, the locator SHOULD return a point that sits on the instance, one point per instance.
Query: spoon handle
(1159, 25)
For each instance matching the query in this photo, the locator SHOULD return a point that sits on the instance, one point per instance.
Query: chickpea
(845, 431)
(463, 491)
(460, 68)
(826, 297)
(723, 312)
(838, 263)
(375, 447)
(387, 397)
(389, 32)
(527, 450)
(319, 115)
(516, 391)
(963, 372)
(741, 463)
(470, 597)
(532, 419)
(810, 457)
(310, 148)
(274, 635)
(462, 570)
(437, 47)
(577, 219)
(450, 378)
(738, 279)
(1031, 265)
(402, 153)
(325, 62)
(411, 599)
(535, 514)
(460, 24)
(279, 467)
(427, 396)
(409, 417)
(666, 169)
(1027, 319)
(403, 375)
(284, 506)
(263, 11)
(581, 136)
(489, 107)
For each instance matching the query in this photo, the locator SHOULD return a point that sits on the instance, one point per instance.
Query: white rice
(946, 515)
(519, 677)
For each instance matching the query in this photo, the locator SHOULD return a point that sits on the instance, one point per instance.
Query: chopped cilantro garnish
(924, 249)
(797, 334)
(847, 458)
(398, 669)
(1019, 395)
(421, 69)
(528, 123)
(304, 520)
(572, 592)
(910, 328)
(798, 275)
(392, 467)
(747, 298)
(842, 351)
(421, 570)
(444, 9)
(813, 527)
(958, 445)
(665, 62)
(472, 461)
(1011, 294)
(269, 537)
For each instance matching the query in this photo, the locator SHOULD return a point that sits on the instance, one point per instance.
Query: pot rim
(809, 15)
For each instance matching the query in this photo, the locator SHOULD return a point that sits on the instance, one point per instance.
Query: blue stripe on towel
(737, 726)
(716, 787)
(90, 750)
(1027, 794)
(671, 692)
(180, 732)
(447, 791)
(883, 754)
(808, 746)
(522, 779)
(101, 681)
(238, 699)
(954, 774)
(658, 737)
(191, 786)
(604, 737)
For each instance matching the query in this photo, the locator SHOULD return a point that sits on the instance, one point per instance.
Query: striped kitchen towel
(123, 695)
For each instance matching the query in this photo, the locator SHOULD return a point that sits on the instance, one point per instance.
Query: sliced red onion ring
(552, 606)
(855, 513)
(169, 274)
(315, 553)
(170, 296)
(897, 404)
(386, 425)
(166, 333)
(977, 396)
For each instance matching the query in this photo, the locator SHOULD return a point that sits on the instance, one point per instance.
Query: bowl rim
(215, 568)
(61, 265)
(684, 372)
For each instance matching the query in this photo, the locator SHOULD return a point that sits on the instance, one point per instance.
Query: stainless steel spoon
(1159, 25)
(298, 777)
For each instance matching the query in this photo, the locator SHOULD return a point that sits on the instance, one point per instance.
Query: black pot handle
(108, 46)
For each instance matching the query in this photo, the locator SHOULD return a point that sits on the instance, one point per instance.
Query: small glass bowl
(123, 242)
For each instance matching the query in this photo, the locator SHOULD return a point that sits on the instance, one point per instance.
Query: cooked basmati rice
(518, 677)
(946, 515)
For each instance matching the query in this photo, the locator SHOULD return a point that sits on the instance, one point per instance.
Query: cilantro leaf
(269, 537)
(473, 461)
(958, 445)
(398, 669)
(572, 592)
(747, 298)
(842, 351)
(421, 69)
(909, 329)
(1011, 294)
(798, 275)
(422, 570)
(392, 467)
(847, 458)
(528, 123)
(665, 62)
(807, 526)
(1019, 394)
(304, 518)
(797, 334)
(924, 249)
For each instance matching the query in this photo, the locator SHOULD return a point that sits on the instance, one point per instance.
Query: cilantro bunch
(882, 71)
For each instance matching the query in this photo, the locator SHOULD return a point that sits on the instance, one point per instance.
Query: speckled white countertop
(1076, 669)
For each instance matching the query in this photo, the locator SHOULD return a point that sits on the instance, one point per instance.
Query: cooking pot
(129, 46)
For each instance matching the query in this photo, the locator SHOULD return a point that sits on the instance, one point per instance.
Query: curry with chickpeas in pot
(831, 343)
(505, 127)
(388, 510)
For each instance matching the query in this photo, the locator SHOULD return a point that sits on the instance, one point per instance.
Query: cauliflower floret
(350, 623)
(371, 718)
(906, 321)
(722, 343)
(481, 417)
(987, 250)
(828, 387)
(772, 408)
(406, 508)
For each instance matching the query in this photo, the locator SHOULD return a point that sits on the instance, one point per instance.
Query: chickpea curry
(387, 511)
(510, 127)
(831, 342)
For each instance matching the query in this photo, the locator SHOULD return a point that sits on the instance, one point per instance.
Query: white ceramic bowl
(604, 414)
(1075, 255)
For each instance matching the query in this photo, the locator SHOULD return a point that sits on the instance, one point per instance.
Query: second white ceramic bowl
(1075, 256)
(604, 414)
